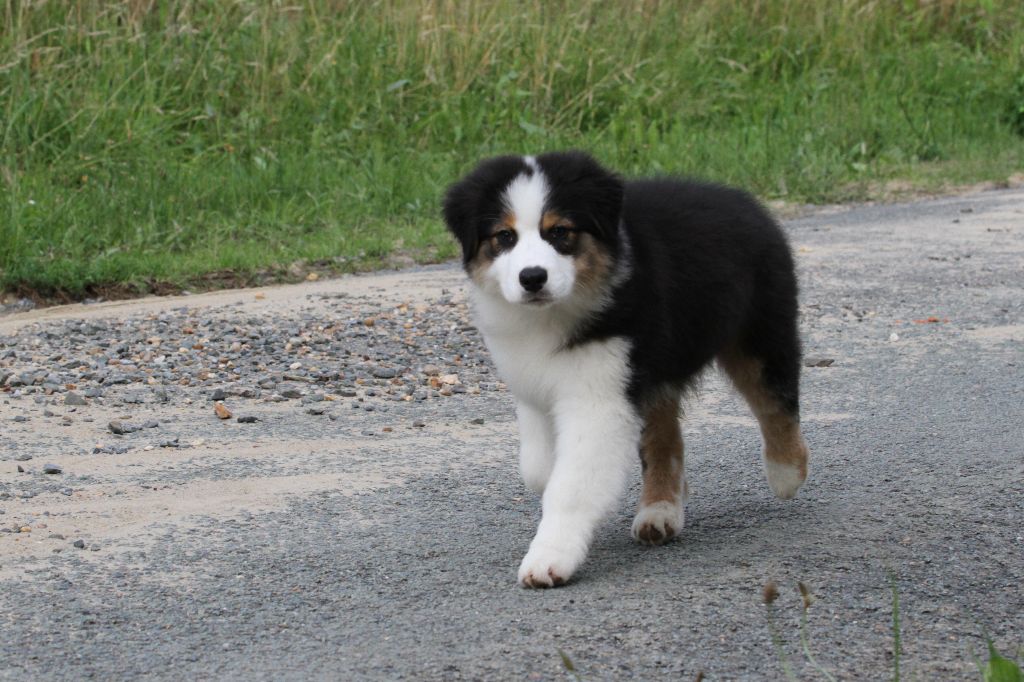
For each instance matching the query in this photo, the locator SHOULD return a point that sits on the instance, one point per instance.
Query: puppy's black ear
(580, 185)
(476, 199)
(461, 203)
(608, 190)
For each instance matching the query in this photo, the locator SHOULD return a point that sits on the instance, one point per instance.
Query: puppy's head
(537, 230)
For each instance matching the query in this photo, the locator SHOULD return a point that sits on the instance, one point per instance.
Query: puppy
(601, 300)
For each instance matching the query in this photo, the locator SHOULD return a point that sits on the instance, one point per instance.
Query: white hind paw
(784, 479)
(656, 524)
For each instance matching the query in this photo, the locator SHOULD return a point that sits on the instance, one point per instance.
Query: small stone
(22, 458)
(21, 469)
(247, 419)
(54, 536)
(218, 394)
(316, 411)
(78, 544)
(122, 428)
(478, 421)
(21, 418)
(52, 469)
(25, 529)
(221, 411)
(894, 337)
(347, 393)
(291, 393)
(818, 362)
(173, 443)
(385, 372)
(419, 423)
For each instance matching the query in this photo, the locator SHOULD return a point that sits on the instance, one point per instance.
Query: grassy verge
(147, 144)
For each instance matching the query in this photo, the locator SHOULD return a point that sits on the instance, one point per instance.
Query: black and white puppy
(601, 301)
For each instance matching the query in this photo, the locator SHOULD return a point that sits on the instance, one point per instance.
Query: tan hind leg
(785, 453)
(660, 513)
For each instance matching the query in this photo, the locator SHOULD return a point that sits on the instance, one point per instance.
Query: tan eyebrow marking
(507, 222)
(551, 218)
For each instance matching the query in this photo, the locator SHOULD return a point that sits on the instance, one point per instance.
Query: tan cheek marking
(783, 442)
(593, 264)
(661, 450)
(478, 266)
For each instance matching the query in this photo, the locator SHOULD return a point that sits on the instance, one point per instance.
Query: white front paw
(656, 524)
(546, 566)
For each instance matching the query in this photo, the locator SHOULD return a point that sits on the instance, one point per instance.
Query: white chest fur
(578, 428)
(528, 347)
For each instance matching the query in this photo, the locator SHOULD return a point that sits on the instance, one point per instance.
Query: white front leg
(596, 448)
(536, 446)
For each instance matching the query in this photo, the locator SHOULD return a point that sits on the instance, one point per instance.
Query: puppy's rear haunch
(601, 301)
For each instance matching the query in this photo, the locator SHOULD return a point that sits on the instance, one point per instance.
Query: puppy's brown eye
(505, 238)
(559, 232)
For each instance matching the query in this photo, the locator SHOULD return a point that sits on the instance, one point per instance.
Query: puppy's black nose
(533, 278)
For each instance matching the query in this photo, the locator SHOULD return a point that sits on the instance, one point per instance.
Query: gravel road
(357, 513)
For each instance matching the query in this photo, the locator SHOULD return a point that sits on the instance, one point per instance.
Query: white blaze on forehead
(525, 197)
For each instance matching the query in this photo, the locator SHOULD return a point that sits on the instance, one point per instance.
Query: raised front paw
(656, 524)
(548, 567)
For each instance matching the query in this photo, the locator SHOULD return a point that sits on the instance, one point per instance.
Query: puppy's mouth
(537, 300)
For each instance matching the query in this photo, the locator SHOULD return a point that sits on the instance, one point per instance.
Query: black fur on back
(711, 271)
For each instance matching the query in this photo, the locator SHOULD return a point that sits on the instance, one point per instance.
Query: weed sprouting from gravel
(999, 668)
(897, 647)
(808, 599)
(768, 595)
(568, 664)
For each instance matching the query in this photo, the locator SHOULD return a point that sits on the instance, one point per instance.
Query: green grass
(146, 142)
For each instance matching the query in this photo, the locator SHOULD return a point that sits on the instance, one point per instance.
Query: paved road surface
(369, 524)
